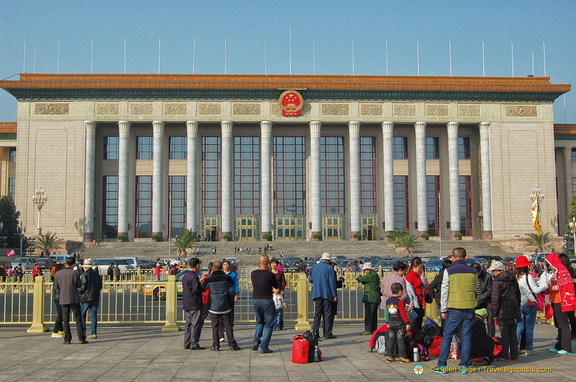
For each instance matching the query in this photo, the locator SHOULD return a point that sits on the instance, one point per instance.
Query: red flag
(10, 253)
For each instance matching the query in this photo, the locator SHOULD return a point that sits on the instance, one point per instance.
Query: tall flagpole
(91, 55)
(483, 61)
(544, 52)
(58, 62)
(159, 52)
(124, 54)
(386, 56)
(290, 50)
(418, 56)
(450, 55)
(314, 56)
(194, 55)
(24, 63)
(512, 52)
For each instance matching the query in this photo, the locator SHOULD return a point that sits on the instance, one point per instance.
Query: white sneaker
(57, 335)
(222, 339)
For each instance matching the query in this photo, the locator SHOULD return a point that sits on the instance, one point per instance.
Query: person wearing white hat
(324, 294)
(90, 297)
(371, 297)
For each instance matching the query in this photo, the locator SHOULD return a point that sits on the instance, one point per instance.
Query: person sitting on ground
(482, 343)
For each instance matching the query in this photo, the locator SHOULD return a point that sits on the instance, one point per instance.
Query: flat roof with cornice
(190, 86)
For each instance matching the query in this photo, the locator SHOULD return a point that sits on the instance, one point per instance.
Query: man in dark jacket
(90, 296)
(67, 281)
(192, 305)
(483, 293)
(220, 305)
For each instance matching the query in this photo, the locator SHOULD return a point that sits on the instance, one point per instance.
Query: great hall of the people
(298, 157)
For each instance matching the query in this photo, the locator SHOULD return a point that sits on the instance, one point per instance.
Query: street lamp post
(572, 225)
(39, 199)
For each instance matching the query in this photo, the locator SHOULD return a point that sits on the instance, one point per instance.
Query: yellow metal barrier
(38, 307)
(171, 306)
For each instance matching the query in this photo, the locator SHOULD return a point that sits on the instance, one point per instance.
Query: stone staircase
(151, 250)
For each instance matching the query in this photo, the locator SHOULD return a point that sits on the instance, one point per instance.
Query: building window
(432, 208)
(177, 212)
(290, 175)
(12, 156)
(332, 179)
(12, 187)
(211, 176)
(465, 196)
(573, 186)
(573, 154)
(143, 206)
(464, 148)
(110, 207)
(111, 147)
(400, 147)
(144, 147)
(247, 175)
(432, 148)
(368, 175)
(178, 147)
(401, 206)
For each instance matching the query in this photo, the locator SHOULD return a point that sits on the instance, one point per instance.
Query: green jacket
(371, 283)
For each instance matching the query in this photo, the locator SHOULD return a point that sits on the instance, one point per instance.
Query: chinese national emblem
(291, 103)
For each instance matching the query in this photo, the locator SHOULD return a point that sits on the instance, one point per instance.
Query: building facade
(296, 157)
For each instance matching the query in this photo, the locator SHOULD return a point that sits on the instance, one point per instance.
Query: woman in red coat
(413, 277)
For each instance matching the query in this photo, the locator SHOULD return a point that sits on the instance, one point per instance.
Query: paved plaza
(144, 353)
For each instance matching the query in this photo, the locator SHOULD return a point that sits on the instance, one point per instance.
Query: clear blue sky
(332, 24)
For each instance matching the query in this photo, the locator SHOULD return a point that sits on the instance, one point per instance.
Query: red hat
(522, 261)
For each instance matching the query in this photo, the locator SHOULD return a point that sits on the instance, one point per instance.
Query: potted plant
(425, 236)
(156, 237)
(357, 236)
(227, 237)
(458, 235)
(120, 238)
(317, 236)
(267, 236)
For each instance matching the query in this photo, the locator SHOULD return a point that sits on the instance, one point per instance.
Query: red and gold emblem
(291, 103)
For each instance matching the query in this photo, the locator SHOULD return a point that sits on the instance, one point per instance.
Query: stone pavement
(144, 353)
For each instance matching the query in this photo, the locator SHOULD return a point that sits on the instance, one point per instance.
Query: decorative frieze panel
(370, 109)
(107, 109)
(52, 108)
(521, 111)
(468, 110)
(335, 109)
(404, 110)
(141, 108)
(246, 109)
(175, 109)
(209, 109)
(436, 110)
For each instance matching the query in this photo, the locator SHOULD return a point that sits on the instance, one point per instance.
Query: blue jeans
(265, 315)
(91, 306)
(278, 320)
(527, 325)
(457, 318)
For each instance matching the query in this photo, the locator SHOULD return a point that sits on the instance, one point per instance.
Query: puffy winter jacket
(505, 299)
(219, 283)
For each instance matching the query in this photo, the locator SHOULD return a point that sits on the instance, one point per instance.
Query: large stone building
(291, 156)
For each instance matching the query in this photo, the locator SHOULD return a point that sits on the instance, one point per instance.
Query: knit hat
(482, 313)
(496, 266)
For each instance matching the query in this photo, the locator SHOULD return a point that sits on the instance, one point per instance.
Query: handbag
(538, 297)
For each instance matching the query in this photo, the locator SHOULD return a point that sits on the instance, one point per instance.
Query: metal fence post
(171, 306)
(38, 307)
(302, 300)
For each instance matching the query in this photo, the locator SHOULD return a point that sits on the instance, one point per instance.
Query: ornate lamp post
(39, 199)
(572, 226)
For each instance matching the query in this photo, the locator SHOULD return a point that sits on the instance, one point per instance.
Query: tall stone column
(388, 159)
(266, 177)
(567, 151)
(158, 179)
(191, 175)
(453, 176)
(420, 129)
(355, 218)
(315, 215)
(90, 127)
(123, 163)
(227, 179)
(486, 193)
